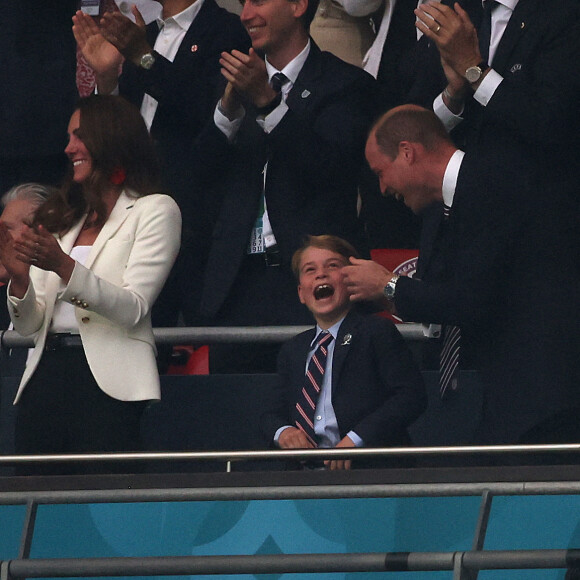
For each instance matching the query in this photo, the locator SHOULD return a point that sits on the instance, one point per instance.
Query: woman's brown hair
(115, 135)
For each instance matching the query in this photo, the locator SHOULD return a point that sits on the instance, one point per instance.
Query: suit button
(85, 305)
(85, 319)
(73, 299)
(79, 302)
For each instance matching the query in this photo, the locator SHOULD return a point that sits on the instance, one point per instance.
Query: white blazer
(113, 294)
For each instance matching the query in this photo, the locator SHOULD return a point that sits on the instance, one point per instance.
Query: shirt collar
(293, 68)
(332, 330)
(511, 4)
(185, 18)
(450, 177)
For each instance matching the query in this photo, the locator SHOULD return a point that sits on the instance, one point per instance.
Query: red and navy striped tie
(308, 398)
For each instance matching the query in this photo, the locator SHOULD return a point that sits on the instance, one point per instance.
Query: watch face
(473, 74)
(147, 61)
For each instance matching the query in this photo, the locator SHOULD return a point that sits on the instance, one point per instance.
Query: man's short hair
(36, 193)
(325, 242)
(409, 123)
(310, 13)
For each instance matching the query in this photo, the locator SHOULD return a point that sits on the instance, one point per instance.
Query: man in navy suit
(512, 88)
(283, 160)
(371, 389)
(509, 280)
(171, 70)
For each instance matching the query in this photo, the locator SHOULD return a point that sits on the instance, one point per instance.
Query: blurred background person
(83, 280)
(345, 28)
(18, 205)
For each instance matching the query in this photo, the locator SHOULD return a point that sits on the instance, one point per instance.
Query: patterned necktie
(484, 33)
(449, 357)
(308, 398)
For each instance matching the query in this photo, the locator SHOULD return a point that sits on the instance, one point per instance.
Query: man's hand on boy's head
(365, 279)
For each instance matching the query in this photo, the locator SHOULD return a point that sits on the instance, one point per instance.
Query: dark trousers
(63, 410)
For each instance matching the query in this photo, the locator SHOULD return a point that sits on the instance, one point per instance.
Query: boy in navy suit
(360, 388)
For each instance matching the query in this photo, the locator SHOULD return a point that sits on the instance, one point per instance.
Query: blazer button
(85, 319)
(73, 299)
(85, 305)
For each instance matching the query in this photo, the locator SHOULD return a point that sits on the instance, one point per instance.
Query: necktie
(308, 398)
(449, 357)
(278, 80)
(484, 33)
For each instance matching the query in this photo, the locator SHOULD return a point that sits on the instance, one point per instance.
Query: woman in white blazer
(84, 277)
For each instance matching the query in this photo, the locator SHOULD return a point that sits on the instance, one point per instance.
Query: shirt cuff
(487, 87)
(279, 432)
(355, 439)
(449, 119)
(228, 127)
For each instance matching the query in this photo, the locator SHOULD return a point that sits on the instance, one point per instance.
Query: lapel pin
(305, 94)
(522, 25)
(346, 340)
(194, 48)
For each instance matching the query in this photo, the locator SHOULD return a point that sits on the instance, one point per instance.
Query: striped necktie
(308, 397)
(449, 357)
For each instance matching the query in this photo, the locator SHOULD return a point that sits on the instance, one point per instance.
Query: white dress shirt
(171, 34)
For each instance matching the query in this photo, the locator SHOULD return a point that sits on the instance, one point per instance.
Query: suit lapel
(346, 336)
(515, 29)
(118, 216)
(307, 85)
(197, 32)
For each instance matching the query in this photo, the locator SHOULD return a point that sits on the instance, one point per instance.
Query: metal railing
(464, 564)
(216, 334)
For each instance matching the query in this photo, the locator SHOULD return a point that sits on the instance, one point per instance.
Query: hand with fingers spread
(247, 80)
(453, 33)
(99, 53)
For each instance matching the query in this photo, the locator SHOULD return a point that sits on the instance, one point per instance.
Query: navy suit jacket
(315, 155)
(377, 391)
(535, 106)
(187, 90)
(512, 277)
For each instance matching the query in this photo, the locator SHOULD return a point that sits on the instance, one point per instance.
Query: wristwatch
(147, 61)
(389, 289)
(474, 73)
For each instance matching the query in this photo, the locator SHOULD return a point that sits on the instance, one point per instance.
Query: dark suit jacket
(512, 278)
(315, 155)
(187, 90)
(535, 107)
(377, 391)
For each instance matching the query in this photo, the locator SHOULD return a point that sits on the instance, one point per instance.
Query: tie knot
(323, 337)
(278, 80)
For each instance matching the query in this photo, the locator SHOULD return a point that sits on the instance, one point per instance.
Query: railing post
(28, 529)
